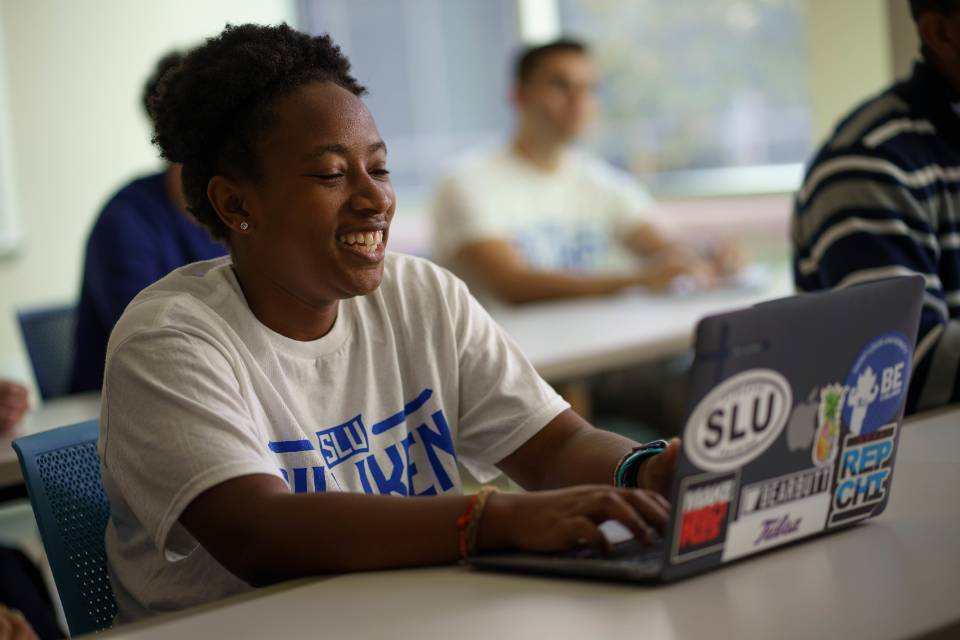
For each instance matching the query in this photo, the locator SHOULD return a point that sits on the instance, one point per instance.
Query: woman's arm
(262, 533)
(569, 451)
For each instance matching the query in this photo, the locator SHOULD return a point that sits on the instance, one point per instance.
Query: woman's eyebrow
(342, 149)
(338, 149)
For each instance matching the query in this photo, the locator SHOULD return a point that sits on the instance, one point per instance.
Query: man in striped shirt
(882, 198)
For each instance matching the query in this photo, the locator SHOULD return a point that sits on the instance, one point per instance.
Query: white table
(894, 577)
(49, 415)
(571, 339)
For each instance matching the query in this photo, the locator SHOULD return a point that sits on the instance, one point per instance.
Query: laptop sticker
(877, 383)
(828, 424)
(779, 510)
(862, 474)
(779, 491)
(706, 502)
(738, 420)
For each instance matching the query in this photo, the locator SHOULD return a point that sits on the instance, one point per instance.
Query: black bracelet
(625, 475)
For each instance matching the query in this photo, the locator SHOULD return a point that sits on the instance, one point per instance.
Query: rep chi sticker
(877, 383)
(738, 420)
(863, 475)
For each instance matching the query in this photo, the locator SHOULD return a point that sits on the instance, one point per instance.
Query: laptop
(794, 413)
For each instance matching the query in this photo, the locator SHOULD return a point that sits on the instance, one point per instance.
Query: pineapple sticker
(828, 423)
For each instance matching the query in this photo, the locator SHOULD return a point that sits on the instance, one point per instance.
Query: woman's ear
(226, 197)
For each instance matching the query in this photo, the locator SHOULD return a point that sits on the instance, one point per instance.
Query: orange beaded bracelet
(468, 524)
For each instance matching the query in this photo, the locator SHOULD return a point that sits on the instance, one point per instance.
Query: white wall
(850, 56)
(74, 75)
(905, 43)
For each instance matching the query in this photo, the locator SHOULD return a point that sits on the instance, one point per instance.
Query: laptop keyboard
(631, 550)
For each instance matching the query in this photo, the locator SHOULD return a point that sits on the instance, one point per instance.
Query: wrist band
(625, 474)
(468, 524)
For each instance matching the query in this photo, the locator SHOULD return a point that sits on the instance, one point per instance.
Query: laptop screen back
(795, 410)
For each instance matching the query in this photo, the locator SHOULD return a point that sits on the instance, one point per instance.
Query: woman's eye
(326, 176)
(380, 172)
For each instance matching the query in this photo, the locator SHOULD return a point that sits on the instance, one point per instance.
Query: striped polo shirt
(882, 198)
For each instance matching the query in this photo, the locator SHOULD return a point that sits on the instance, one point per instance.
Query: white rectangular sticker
(766, 528)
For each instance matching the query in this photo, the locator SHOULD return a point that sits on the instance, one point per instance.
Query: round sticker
(877, 383)
(738, 420)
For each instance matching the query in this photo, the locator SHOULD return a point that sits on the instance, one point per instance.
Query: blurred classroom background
(714, 104)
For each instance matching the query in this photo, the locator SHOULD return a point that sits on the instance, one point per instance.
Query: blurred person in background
(143, 233)
(25, 605)
(537, 219)
(881, 199)
(14, 402)
(26, 612)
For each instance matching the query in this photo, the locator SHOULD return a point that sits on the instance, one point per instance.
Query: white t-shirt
(570, 219)
(411, 378)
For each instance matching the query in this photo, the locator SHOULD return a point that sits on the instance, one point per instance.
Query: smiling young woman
(299, 407)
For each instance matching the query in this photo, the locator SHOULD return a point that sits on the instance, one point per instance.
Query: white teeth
(369, 239)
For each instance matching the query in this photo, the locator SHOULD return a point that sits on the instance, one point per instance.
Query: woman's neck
(280, 309)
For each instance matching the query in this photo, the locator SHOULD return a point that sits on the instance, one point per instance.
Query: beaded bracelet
(468, 524)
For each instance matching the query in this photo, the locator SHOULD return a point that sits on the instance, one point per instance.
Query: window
(438, 72)
(700, 95)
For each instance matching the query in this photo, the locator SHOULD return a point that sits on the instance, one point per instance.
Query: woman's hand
(560, 519)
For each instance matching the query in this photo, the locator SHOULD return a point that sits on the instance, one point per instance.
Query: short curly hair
(210, 110)
(164, 65)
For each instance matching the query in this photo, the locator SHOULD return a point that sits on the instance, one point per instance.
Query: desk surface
(49, 415)
(571, 339)
(894, 577)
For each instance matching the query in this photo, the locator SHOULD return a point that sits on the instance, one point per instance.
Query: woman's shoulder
(193, 299)
(403, 269)
(414, 281)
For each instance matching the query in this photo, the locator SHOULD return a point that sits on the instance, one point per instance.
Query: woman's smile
(367, 243)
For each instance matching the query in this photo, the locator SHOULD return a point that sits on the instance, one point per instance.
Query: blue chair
(49, 336)
(61, 469)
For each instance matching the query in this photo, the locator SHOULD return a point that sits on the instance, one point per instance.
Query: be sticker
(877, 383)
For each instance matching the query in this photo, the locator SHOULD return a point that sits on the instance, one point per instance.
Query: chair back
(49, 336)
(61, 469)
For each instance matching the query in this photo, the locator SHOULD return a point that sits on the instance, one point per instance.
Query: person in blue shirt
(143, 233)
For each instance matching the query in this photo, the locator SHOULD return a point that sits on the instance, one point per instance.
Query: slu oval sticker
(738, 420)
